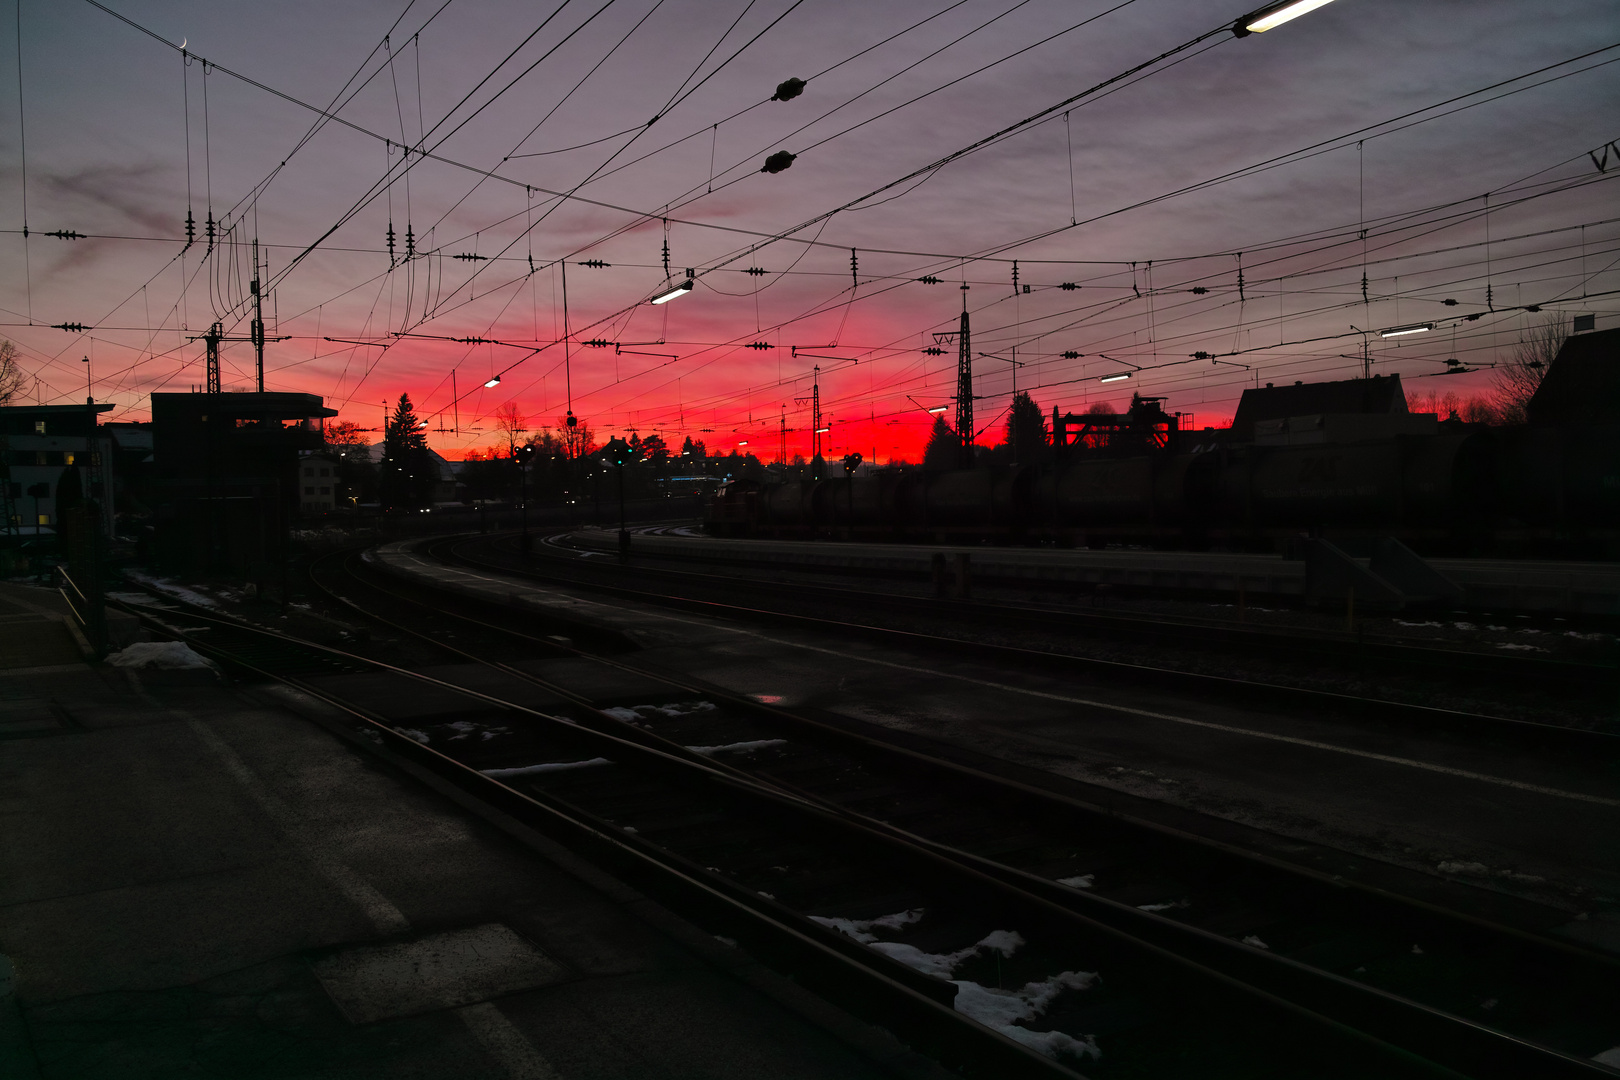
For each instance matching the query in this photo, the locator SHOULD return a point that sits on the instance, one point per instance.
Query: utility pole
(215, 335)
(781, 451)
(256, 330)
(964, 388)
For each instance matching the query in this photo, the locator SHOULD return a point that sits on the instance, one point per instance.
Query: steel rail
(861, 980)
(1465, 1044)
(1577, 740)
(1310, 644)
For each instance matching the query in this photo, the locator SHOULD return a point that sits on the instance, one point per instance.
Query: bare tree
(1515, 381)
(512, 425)
(345, 433)
(12, 379)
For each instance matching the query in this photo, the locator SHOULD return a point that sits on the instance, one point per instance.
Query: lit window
(67, 458)
(44, 519)
(39, 427)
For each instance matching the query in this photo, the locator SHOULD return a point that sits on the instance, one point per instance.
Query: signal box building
(40, 443)
(226, 476)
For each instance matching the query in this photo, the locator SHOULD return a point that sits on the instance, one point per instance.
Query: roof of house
(1582, 384)
(1379, 394)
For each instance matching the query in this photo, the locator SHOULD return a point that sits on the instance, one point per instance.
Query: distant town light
(1402, 331)
(494, 381)
(1274, 15)
(1119, 377)
(680, 290)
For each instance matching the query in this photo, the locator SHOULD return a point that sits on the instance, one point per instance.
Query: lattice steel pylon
(964, 388)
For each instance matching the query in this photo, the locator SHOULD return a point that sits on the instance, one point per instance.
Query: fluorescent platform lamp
(421, 423)
(940, 409)
(494, 381)
(680, 290)
(1273, 15)
(822, 430)
(743, 443)
(1402, 331)
(1120, 377)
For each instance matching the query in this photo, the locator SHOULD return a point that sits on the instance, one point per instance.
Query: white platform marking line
(510, 1048)
(387, 918)
(1229, 729)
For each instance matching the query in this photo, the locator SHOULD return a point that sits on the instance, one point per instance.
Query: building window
(309, 491)
(326, 491)
(308, 471)
(67, 457)
(39, 427)
(44, 519)
(326, 472)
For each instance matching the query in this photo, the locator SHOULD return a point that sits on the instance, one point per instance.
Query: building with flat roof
(226, 477)
(41, 442)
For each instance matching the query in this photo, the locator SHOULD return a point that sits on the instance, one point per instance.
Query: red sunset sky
(1446, 151)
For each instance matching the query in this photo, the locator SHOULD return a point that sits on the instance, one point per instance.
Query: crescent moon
(183, 43)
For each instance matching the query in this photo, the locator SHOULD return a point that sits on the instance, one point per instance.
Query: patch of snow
(170, 588)
(737, 747)
(1417, 950)
(1519, 648)
(161, 655)
(767, 699)
(1164, 907)
(545, 767)
(419, 736)
(1498, 629)
(1001, 1010)
(1585, 637)
(132, 597)
(1610, 1057)
(1435, 625)
(1005, 942)
(1463, 868)
(639, 714)
(861, 929)
(1256, 942)
(1083, 881)
(1465, 626)
(1488, 1004)
(730, 943)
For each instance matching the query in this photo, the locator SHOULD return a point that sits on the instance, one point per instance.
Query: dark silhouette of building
(1582, 384)
(226, 477)
(1379, 395)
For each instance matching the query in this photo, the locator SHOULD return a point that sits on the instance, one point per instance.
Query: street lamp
(495, 380)
(1402, 331)
(680, 290)
(1274, 15)
(1119, 376)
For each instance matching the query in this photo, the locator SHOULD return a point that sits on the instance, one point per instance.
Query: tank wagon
(1345, 461)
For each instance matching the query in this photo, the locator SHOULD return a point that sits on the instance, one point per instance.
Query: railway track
(854, 615)
(863, 836)
(1348, 650)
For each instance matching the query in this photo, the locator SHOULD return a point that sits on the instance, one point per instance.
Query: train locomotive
(1344, 461)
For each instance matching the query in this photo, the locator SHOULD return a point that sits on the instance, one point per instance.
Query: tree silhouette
(943, 447)
(1026, 433)
(408, 469)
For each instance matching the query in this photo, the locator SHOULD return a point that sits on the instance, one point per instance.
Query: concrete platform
(1498, 585)
(195, 881)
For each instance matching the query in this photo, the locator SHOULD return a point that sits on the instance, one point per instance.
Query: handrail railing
(89, 611)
